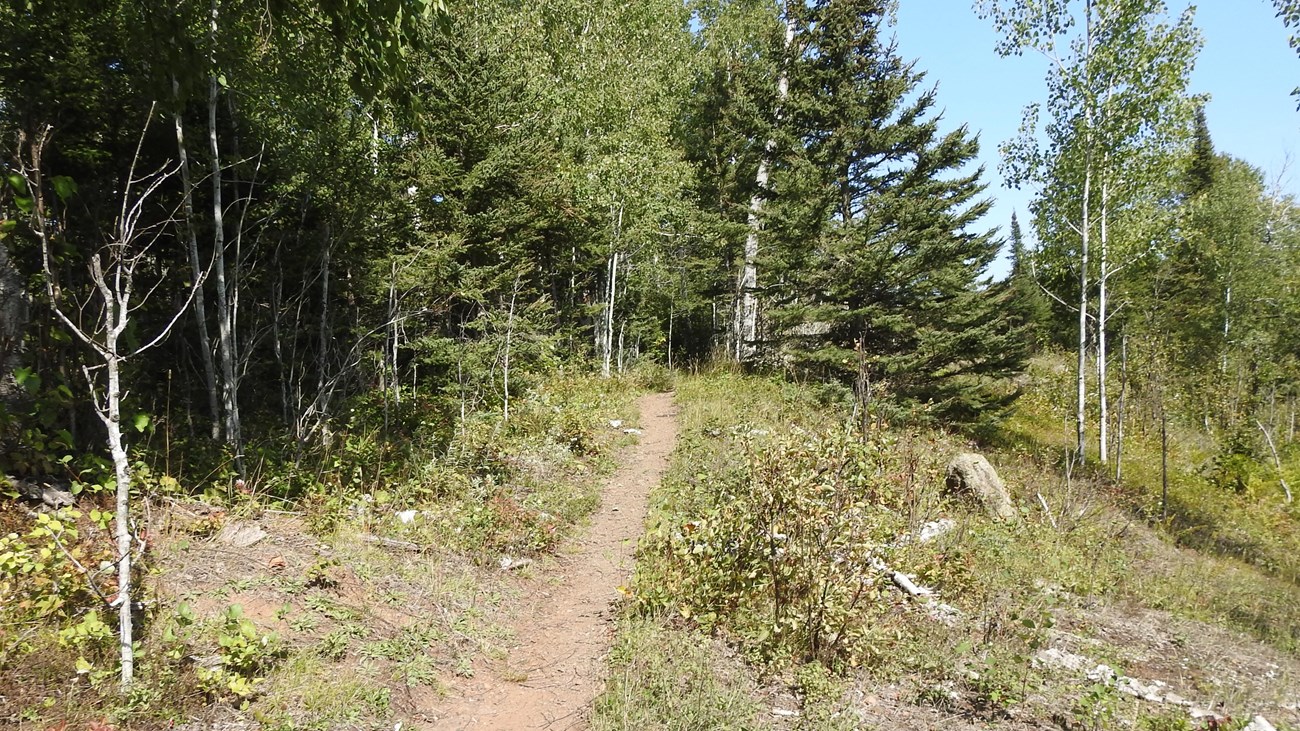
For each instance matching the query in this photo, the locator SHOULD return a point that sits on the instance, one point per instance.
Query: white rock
(1103, 673)
(936, 528)
(784, 713)
(1259, 723)
(241, 535)
(616, 423)
(1054, 657)
(406, 516)
(634, 432)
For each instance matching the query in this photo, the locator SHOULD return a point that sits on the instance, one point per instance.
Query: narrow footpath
(551, 676)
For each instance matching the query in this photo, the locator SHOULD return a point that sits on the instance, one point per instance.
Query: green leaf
(28, 379)
(64, 187)
(141, 422)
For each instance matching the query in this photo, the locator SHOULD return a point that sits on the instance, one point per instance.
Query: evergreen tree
(1201, 167)
(1029, 306)
(880, 264)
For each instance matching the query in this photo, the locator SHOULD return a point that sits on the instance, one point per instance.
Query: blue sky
(1246, 67)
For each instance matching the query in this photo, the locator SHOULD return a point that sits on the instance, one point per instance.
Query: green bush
(781, 556)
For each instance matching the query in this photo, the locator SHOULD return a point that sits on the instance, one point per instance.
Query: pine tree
(1201, 168)
(881, 265)
(1029, 306)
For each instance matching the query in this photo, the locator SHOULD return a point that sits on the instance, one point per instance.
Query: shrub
(782, 554)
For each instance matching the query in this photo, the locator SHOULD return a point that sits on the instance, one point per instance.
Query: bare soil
(564, 630)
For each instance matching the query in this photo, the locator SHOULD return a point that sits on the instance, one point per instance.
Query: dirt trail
(550, 678)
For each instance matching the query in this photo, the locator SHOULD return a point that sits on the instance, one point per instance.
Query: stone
(53, 495)
(1259, 723)
(241, 535)
(972, 476)
(1053, 657)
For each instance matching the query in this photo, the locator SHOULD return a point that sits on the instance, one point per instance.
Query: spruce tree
(881, 265)
(1201, 167)
(1029, 306)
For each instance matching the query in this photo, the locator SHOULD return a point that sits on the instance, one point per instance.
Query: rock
(1259, 723)
(54, 495)
(971, 474)
(406, 516)
(935, 528)
(1138, 689)
(1061, 659)
(240, 535)
(1103, 673)
(633, 432)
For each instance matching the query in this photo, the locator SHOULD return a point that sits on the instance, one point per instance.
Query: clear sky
(1246, 67)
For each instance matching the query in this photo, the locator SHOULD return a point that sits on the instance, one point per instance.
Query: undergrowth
(770, 529)
(321, 624)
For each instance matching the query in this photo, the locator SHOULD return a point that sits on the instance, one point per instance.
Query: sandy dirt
(550, 677)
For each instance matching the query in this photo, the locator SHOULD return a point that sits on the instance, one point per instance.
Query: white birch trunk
(1085, 230)
(122, 472)
(505, 371)
(1102, 423)
(1123, 403)
(745, 331)
(1082, 370)
(607, 346)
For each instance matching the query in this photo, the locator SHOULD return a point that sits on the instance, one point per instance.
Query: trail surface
(550, 678)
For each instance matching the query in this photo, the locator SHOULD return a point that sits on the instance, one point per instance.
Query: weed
(673, 679)
(243, 656)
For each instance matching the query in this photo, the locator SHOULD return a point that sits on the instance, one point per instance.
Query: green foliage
(875, 229)
(39, 574)
(244, 654)
(782, 556)
(663, 678)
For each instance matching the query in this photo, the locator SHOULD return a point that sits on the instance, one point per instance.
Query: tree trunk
(1104, 274)
(745, 330)
(505, 370)
(1164, 459)
(192, 240)
(1277, 461)
(670, 336)
(122, 472)
(322, 361)
(225, 332)
(607, 346)
(1123, 400)
(1082, 370)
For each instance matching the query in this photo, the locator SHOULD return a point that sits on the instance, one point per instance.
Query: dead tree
(100, 320)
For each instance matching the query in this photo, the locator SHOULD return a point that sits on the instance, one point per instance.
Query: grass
(362, 627)
(675, 680)
(1093, 558)
(1244, 569)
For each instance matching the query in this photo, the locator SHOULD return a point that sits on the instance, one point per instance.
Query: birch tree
(101, 320)
(1116, 99)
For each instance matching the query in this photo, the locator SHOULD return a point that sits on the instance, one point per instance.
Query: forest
(326, 260)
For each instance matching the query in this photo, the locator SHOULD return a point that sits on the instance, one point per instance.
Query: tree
(878, 256)
(1029, 306)
(1118, 103)
(100, 320)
